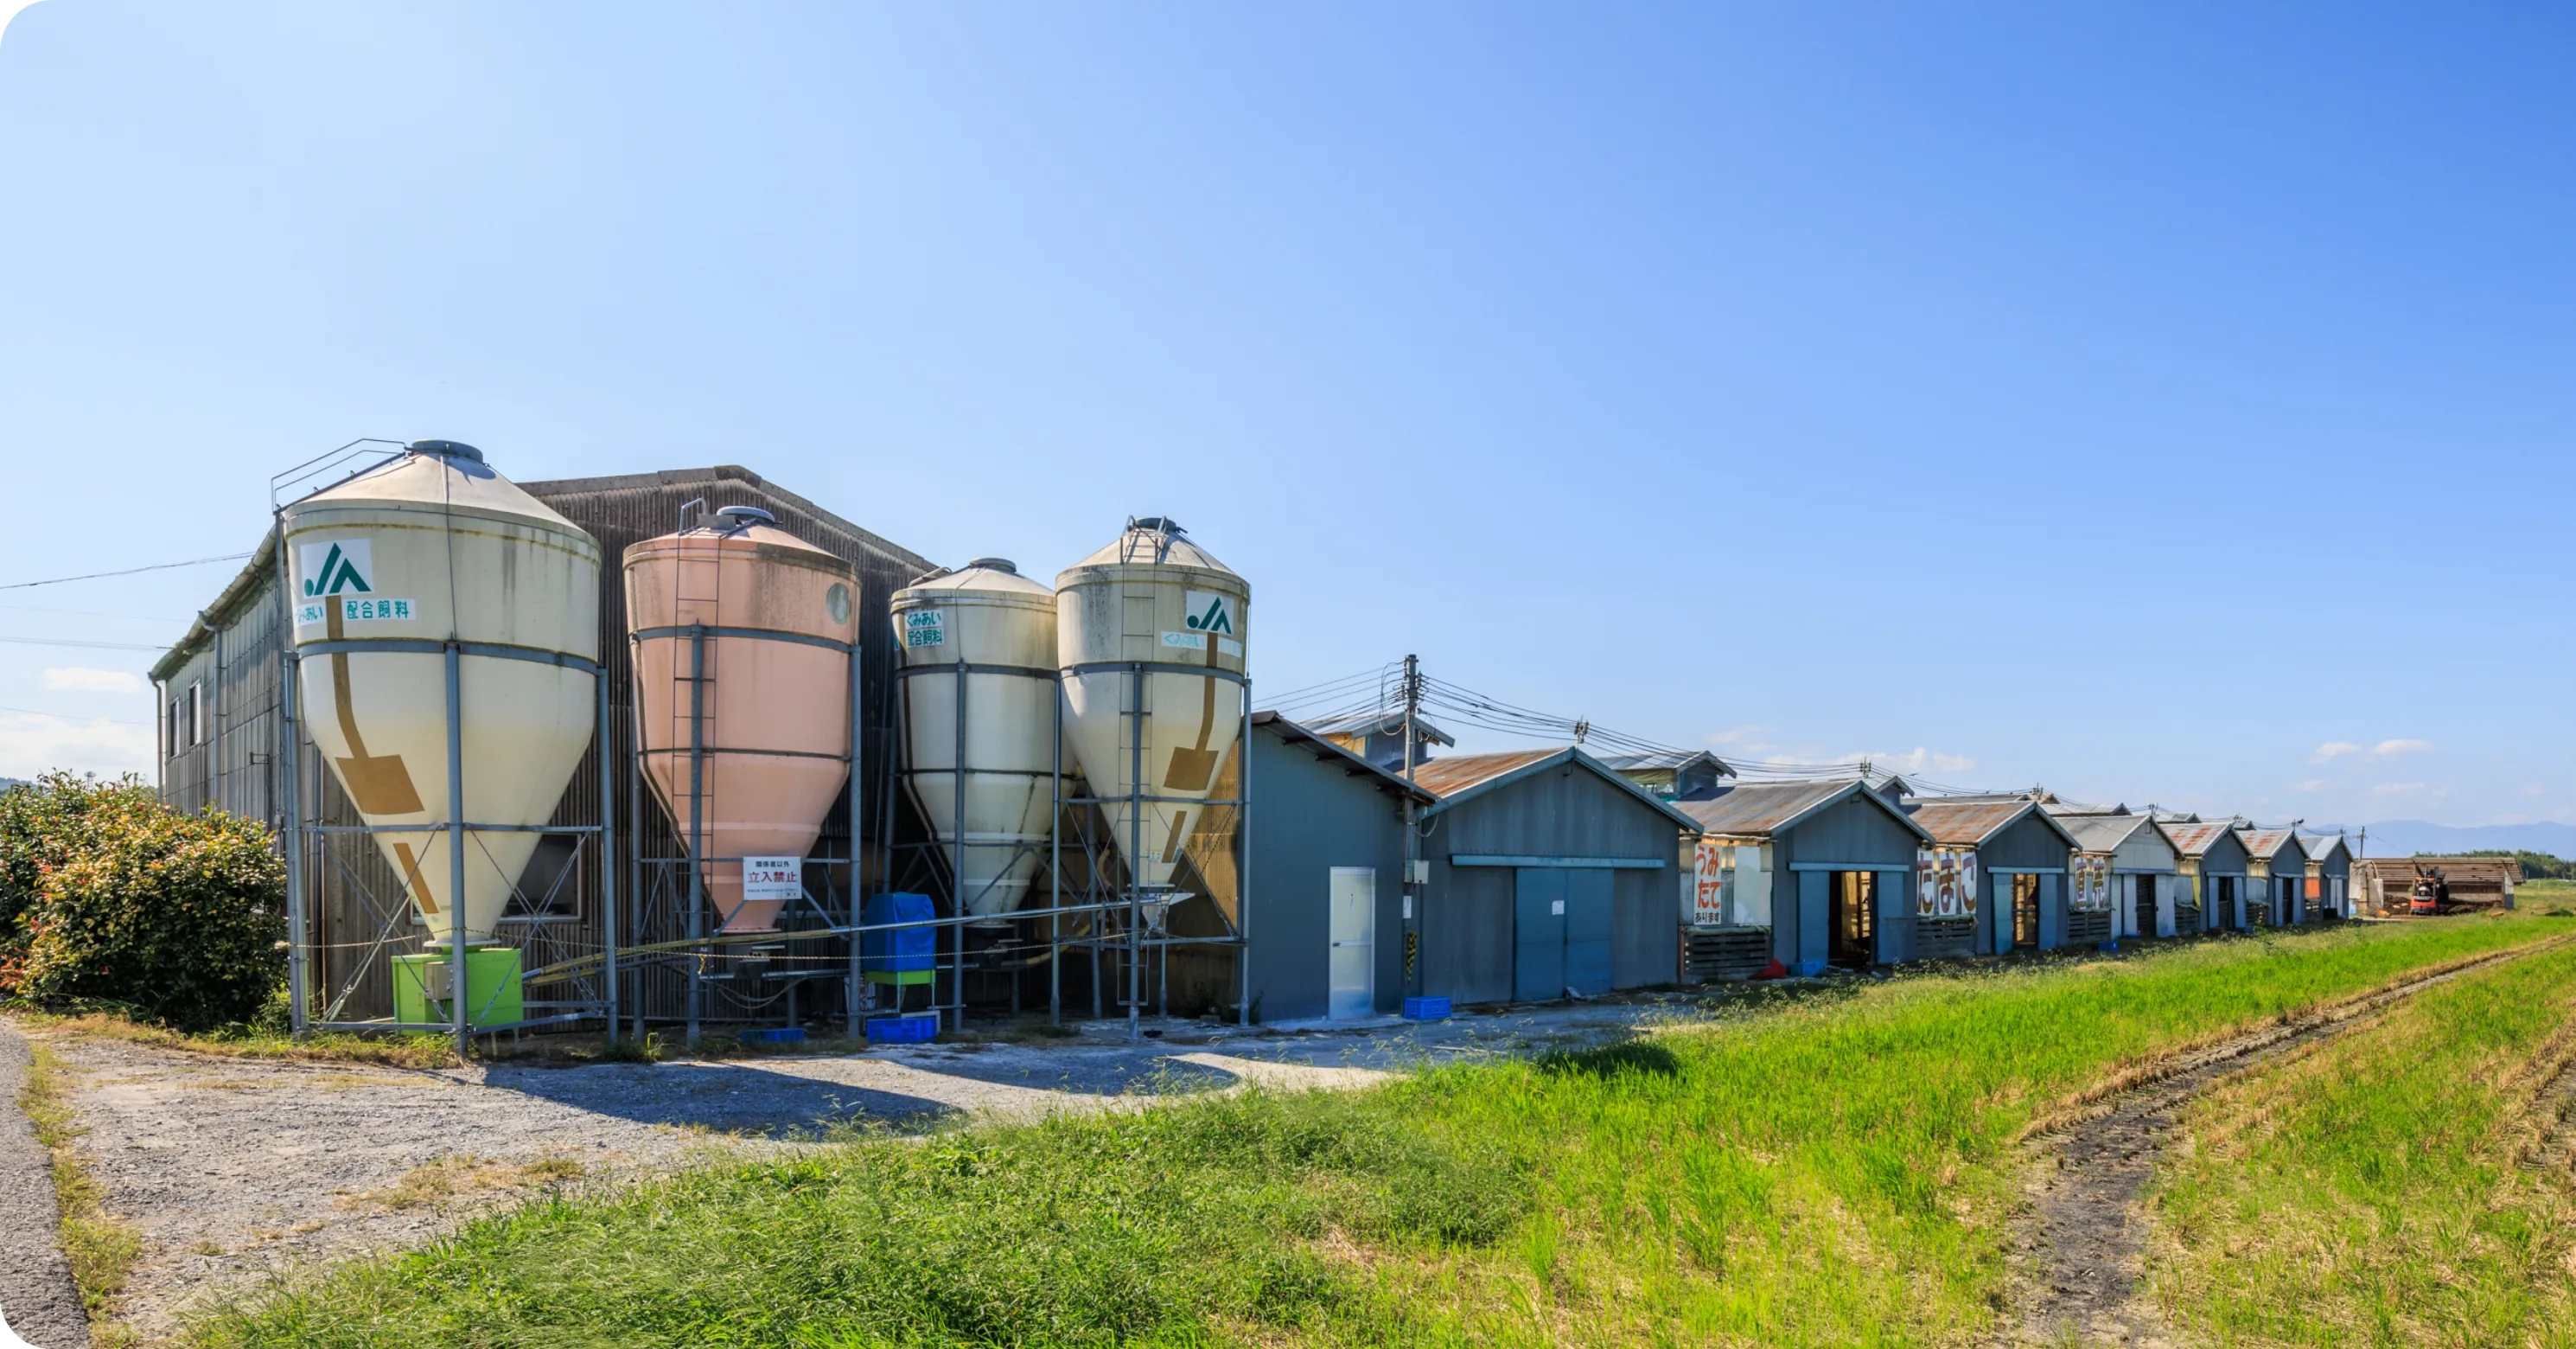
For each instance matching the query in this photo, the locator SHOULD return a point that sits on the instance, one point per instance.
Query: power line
(69, 716)
(130, 571)
(95, 646)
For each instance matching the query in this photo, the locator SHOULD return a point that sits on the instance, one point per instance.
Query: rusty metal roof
(2266, 843)
(1458, 772)
(1463, 776)
(2192, 838)
(1759, 809)
(1965, 824)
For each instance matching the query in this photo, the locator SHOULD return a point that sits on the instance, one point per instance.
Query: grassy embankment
(2398, 1186)
(101, 1249)
(1826, 1170)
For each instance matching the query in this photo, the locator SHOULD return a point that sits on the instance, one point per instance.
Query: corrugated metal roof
(1378, 723)
(2318, 846)
(2193, 837)
(1676, 759)
(1304, 736)
(1458, 772)
(1759, 809)
(2100, 833)
(2264, 843)
(1965, 824)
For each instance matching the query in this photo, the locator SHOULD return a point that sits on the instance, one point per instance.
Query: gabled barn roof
(1760, 809)
(1463, 777)
(1969, 823)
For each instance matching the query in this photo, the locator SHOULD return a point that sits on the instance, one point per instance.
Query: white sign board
(1209, 611)
(925, 627)
(779, 879)
(1713, 871)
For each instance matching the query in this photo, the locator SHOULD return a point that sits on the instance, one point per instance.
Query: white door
(1354, 958)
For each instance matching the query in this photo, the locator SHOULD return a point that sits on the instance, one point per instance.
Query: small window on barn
(197, 712)
(170, 729)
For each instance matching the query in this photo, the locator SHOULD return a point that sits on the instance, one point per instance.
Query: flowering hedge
(108, 897)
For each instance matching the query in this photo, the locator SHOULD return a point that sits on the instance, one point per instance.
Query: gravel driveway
(237, 1170)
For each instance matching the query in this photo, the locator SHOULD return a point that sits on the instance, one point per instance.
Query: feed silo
(742, 636)
(978, 647)
(1149, 638)
(441, 613)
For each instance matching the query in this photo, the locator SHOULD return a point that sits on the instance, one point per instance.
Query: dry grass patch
(449, 1177)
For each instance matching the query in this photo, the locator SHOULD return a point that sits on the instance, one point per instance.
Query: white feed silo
(984, 615)
(386, 570)
(1151, 597)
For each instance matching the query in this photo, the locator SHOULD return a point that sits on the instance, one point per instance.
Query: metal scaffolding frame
(302, 835)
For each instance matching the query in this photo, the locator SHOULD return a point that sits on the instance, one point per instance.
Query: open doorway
(2025, 911)
(2146, 905)
(1853, 918)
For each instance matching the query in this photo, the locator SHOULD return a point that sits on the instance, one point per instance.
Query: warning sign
(779, 879)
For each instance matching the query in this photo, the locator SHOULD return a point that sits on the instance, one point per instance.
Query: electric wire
(130, 571)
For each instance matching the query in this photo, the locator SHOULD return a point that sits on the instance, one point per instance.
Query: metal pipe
(957, 854)
(607, 855)
(856, 867)
(1243, 867)
(1136, 852)
(1055, 861)
(697, 817)
(299, 938)
(456, 989)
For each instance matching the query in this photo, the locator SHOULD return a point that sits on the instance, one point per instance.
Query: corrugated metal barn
(229, 665)
(1326, 849)
(1673, 775)
(1826, 866)
(2020, 857)
(1549, 873)
(2145, 872)
(2213, 862)
(2276, 874)
(2329, 875)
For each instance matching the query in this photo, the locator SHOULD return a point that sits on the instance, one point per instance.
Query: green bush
(43, 825)
(107, 897)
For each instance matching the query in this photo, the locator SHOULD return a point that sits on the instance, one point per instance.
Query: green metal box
(421, 985)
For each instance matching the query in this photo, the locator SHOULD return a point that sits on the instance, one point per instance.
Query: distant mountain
(2396, 838)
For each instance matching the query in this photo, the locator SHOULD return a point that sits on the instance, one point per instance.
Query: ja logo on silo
(340, 567)
(1209, 612)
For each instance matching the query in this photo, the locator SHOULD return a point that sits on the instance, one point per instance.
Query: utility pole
(1412, 836)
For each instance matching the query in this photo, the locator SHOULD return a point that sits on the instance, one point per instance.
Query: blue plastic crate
(1426, 1009)
(903, 1030)
(775, 1035)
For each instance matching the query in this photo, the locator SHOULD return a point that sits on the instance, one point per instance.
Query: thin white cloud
(1749, 739)
(83, 679)
(2535, 789)
(2310, 785)
(2396, 788)
(30, 745)
(2390, 748)
(2335, 749)
(1919, 760)
(10, 9)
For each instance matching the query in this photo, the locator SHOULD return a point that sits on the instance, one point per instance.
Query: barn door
(1354, 949)
(1587, 931)
(1538, 934)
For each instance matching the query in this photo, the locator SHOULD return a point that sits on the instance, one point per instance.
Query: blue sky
(2100, 396)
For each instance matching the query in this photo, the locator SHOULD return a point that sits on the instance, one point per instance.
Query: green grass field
(1833, 1169)
(2395, 1187)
